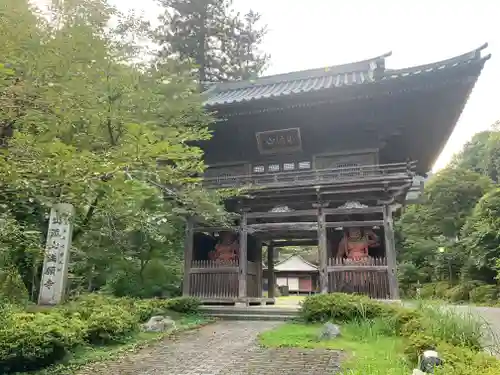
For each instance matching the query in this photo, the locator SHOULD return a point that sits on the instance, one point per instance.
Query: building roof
(329, 78)
(295, 263)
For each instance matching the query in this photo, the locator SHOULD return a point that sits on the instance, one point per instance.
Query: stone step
(253, 317)
(233, 310)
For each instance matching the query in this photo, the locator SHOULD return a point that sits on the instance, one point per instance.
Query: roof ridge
(362, 65)
(296, 256)
(474, 54)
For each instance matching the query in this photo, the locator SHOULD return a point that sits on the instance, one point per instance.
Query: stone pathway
(224, 348)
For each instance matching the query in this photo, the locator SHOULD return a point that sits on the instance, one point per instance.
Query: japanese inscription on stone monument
(56, 261)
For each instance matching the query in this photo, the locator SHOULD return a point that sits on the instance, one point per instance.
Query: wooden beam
(322, 252)
(270, 215)
(357, 268)
(305, 226)
(271, 286)
(355, 224)
(242, 276)
(221, 269)
(390, 249)
(259, 268)
(188, 256)
(216, 229)
(297, 242)
(353, 211)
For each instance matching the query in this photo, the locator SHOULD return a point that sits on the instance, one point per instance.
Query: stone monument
(56, 261)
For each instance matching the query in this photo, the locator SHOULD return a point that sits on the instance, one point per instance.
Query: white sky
(306, 34)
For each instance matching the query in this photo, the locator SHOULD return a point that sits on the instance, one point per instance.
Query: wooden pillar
(322, 251)
(259, 268)
(271, 285)
(188, 255)
(243, 261)
(390, 253)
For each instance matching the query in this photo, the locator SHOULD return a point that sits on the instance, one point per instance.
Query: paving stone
(224, 348)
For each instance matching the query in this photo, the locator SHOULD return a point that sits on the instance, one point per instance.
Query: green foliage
(185, 305)
(392, 341)
(460, 215)
(342, 307)
(12, 288)
(110, 324)
(34, 340)
(37, 339)
(112, 134)
(484, 294)
(222, 44)
(461, 292)
(482, 232)
(440, 324)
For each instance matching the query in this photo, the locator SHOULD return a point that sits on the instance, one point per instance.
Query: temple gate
(326, 157)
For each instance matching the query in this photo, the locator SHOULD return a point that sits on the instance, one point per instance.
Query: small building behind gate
(295, 273)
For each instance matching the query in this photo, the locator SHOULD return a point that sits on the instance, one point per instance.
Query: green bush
(428, 291)
(484, 294)
(184, 305)
(461, 292)
(458, 360)
(110, 324)
(441, 289)
(343, 307)
(451, 326)
(108, 319)
(30, 341)
(12, 288)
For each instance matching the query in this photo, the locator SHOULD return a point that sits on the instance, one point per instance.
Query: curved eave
(303, 84)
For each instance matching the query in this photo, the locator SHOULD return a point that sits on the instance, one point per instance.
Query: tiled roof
(363, 72)
(295, 263)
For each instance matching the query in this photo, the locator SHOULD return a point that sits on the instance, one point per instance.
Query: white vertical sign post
(56, 261)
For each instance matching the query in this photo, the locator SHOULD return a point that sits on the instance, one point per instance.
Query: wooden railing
(219, 280)
(211, 266)
(368, 276)
(314, 176)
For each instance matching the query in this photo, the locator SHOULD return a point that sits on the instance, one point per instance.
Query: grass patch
(368, 345)
(87, 355)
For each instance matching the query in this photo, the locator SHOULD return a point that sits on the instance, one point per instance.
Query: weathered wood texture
(210, 279)
(188, 256)
(323, 252)
(215, 280)
(243, 266)
(271, 281)
(369, 278)
(390, 251)
(308, 177)
(259, 268)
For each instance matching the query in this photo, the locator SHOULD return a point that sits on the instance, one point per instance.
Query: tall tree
(222, 44)
(482, 154)
(90, 125)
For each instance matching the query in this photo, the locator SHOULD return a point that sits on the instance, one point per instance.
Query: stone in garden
(429, 361)
(158, 324)
(329, 331)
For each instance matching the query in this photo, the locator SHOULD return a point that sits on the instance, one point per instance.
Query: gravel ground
(224, 348)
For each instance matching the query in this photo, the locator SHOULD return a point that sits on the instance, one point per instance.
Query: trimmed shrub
(33, 341)
(184, 305)
(484, 294)
(110, 324)
(108, 319)
(343, 307)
